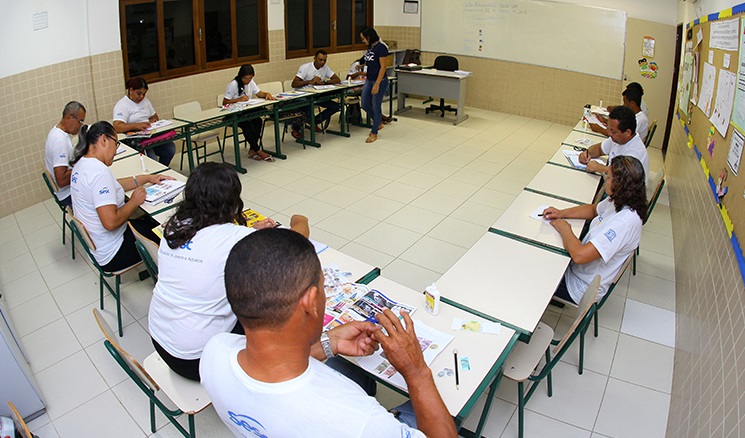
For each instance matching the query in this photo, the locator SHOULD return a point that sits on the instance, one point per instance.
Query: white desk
(131, 166)
(164, 206)
(565, 183)
(574, 138)
(435, 83)
(516, 221)
(580, 127)
(505, 280)
(487, 352)
(358, 268)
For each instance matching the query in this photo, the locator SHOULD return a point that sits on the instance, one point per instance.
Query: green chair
(52, 186)
(183, 111)
(523, 361)
(655, 195)
(154, 376)
(650, 133)
(20, 425)
(85, 239)
(148, 251)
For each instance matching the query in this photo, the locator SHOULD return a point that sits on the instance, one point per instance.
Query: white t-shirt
(189, 304)
(353, 68)
(57, 153)
(634, 147)
(250, 90)
(615, 235)
(308, 71)
(642, 125)
(129, 112)
(318, 403)
(643, 106)
(92, 185)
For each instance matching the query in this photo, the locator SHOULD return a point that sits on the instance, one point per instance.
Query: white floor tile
(347, 224)
(77, 293)
(49, 345)
(340, 196)
(420, 179)
(16, 268)
(365, 254)
(499, 415)
(376, 207)
(365, 182)
(644, 363)
(50, 253)
(46, 234)
(389, 239)
(400, 192)
(457, 232)
(652, 290)
(12, 249)
(410, 275)
(313, 209)
(11, 232)
(34, 314)
(649, 322)
(102, 413)
(64, 270)
(415, 219)
(599, 352)
(309, 185)
(438, 202)
(279, 199)
(433, 254)
(493, 198)
(24, 288)
(84, 326)
(135, 297)
(46, 431)
(629, 410)
(537, 425)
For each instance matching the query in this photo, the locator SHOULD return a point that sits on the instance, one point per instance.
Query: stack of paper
(168, 189)
(573, 157)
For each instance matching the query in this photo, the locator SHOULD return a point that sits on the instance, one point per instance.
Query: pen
(540, 214)
(457, 377)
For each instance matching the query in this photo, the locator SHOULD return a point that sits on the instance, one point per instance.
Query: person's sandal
(371, 138)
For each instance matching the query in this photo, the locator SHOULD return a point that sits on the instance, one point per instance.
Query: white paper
(685, 85)
(121, 149)
(699, 37)
(725, 97)
(724, 34)
(573, 157)
(160, 123)
(593, 119)
(735, 151)
(738, 113)
(726, 61)
(537, 214)
(707, 88)
(710, 59)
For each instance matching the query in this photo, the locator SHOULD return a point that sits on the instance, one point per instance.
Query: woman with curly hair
(615, 230)
(189, 303)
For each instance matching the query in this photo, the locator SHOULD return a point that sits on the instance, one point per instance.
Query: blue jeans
(163, 153)
(372, 103)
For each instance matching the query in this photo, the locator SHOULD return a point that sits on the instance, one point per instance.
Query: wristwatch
(326, 345)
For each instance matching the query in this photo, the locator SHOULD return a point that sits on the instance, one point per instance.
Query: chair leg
(595, 317)
(222, 149)
(181, 163)
(64, 225)
(633, 265)
(192, 430)
(152, 415)
(119, 306)
(520, 410)
(100, 289)
(548, 376)
(582, 351)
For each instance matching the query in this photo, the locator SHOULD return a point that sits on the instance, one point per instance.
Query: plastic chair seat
(188, 395)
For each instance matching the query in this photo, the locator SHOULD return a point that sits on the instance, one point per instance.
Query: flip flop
(254, 157)
(371, 138)
(268, 159)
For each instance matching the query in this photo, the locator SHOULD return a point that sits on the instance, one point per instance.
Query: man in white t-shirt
(58, 149)
(632, 99)
(271, 382)
(318, 73)
(614, 233)
(622, 140)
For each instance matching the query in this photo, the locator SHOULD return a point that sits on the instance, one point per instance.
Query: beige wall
(709, 370)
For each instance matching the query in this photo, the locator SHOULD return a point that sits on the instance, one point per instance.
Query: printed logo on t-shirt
(187, 245)
(63, 155)
(120, 114)
(74, 177)
(104, 191)
(610, 235)
(249, 424)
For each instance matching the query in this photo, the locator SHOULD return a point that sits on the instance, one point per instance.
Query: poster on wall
(687, 76)
(738, 113)
(735, 151)
(707, 88)
(725, 97)
(724, 35)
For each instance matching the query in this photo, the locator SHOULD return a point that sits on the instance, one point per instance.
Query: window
(333, 25)
(169, 38)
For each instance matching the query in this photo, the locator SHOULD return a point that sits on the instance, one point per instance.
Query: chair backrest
(655, 195)
(412, 56)
(186, 109)
(650, 133)
(612, 286)
(274, 88)
(20, 425)
(125, 360)
(287, 85)
(584, 306)
(82, 234)
(220, 97)
(447, 63)
(148, 251)
(50, 181)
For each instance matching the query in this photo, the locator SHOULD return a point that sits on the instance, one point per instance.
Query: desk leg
(343, 132)
(401, 101)
(312, 142)
(460, 113)
(277, 139)
(236, 146)
(189, 157)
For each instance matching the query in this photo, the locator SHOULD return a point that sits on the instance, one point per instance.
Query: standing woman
(376, 60)
(240, 89)
(189, 303)
(98, 198)
(134, 112)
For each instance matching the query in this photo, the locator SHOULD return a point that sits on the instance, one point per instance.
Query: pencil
(457, 377)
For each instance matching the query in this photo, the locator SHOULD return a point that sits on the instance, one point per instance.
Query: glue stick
(432, 299)
(142, 161)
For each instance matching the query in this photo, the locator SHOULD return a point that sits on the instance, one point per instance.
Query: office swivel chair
(446, 63)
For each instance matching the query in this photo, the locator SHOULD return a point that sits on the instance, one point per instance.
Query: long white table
(435, 83)
(361, 272)
(580, 127)
(564, 183)
(581, 139)
(132, 165)
(505, 280)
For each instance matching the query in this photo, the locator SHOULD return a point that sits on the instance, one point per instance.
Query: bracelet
(136, 183)
(326, 345)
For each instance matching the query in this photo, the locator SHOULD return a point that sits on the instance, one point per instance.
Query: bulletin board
(711, 108)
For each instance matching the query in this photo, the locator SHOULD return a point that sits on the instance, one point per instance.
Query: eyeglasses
(115, 140)
(81, 121)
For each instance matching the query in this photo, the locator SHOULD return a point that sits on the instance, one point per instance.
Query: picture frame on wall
(411, 6)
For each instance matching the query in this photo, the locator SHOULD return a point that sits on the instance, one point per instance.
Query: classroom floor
(412, 203)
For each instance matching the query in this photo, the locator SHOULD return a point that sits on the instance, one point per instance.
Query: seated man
(632, 99)
(316, 73)
(622, 140)
(614, 234)
(270, 382)
(58, 149)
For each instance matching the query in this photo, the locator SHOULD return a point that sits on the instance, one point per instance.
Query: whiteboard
(584, 39)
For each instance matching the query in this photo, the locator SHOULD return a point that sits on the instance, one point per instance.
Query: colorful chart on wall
(738, 113)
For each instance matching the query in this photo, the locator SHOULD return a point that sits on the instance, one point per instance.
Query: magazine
(168, 189)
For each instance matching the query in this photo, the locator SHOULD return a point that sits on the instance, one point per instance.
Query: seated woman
(134, 112)
(98, 198)
(189, 304)
(240, 89)
(615, 230)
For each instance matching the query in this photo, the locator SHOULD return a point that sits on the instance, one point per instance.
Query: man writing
(632, 99)
(317, 73)
(58, 149)
(271, 382)
(622, 140)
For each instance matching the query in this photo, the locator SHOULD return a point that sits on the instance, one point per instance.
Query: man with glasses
(58, 149)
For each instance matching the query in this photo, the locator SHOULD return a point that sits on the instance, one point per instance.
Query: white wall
(103, 25)
(275, 14)
(391, 13)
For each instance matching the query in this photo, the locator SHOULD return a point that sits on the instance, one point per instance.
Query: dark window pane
(179, 33)
(321, 23)
(246, 17)
(360, 19)
(296, 24)
(217, 30)
(344, 36)
(142, 40)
